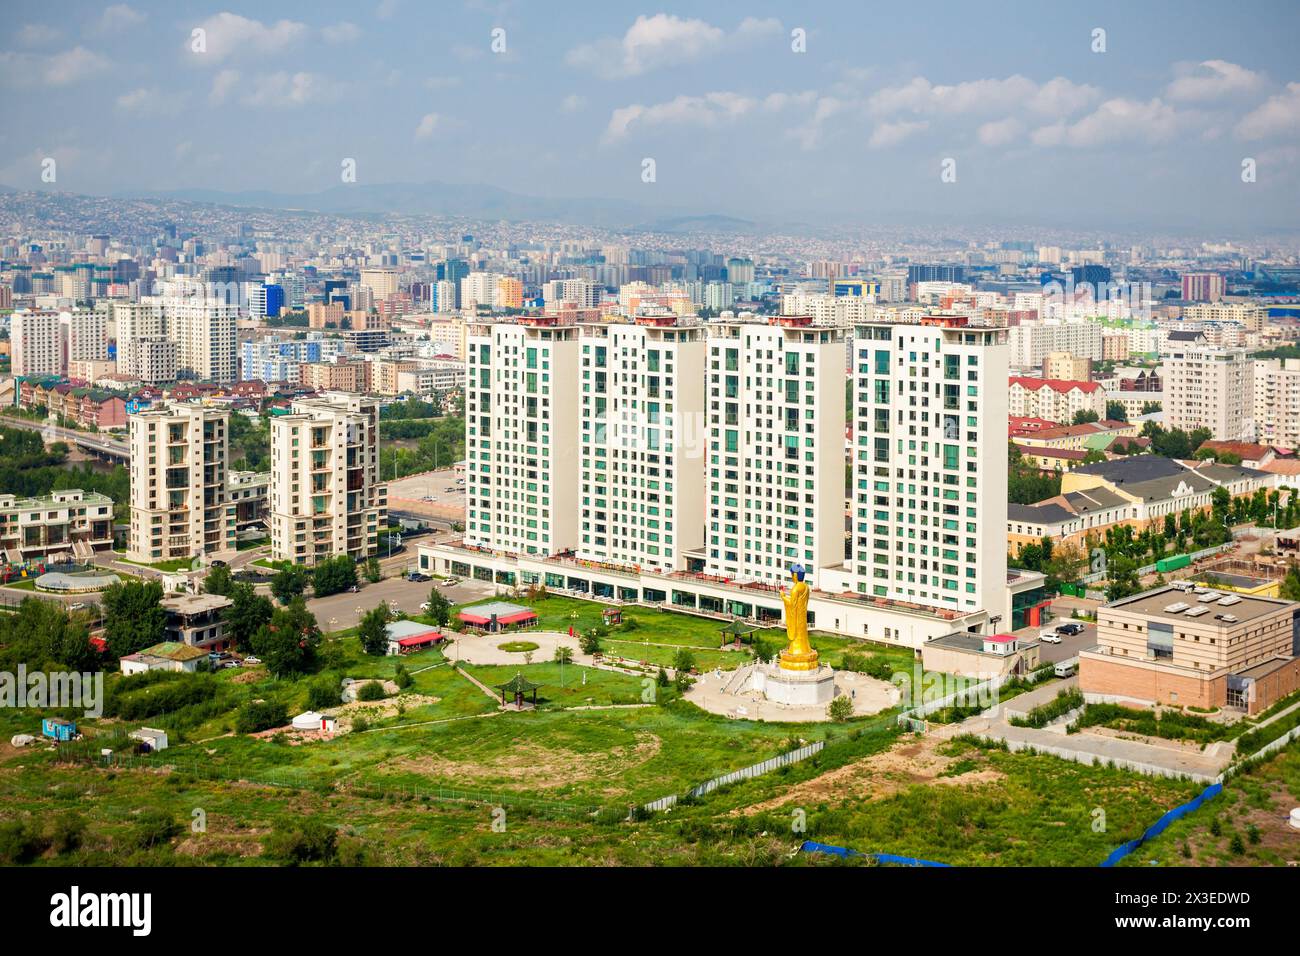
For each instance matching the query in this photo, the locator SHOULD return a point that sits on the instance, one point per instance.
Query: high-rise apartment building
(1202, 287)
(1275, 389)
(204, 330)
(521, 436)
(929, 499)
(35, 342)
(178, 484)
(776, 449)
(1210, 388)
(84, 334)
(643, 441)
(326, 497)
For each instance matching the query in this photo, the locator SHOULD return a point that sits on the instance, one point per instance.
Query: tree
(133, 617)
(1122, 578)
(289, 641)
(840, 709)
(1083, 416)
(683, 660)
(289, 583)
(589, 642)
(563, 655)
(334, 575)
(43, 636)
(219, 581)
(439, 607)
(373, 573)
(373, 630)
(1116, 412)
(247, 613)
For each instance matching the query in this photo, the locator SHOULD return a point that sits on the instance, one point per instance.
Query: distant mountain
(472, 201)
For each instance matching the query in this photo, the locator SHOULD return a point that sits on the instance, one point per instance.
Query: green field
(419, 783)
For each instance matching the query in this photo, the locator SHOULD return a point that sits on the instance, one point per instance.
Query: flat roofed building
(178, 484)
(72, 521)
(326, 497)
(643, 441)
(1194, 647)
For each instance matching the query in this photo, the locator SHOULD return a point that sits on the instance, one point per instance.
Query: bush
(154, 828)
(1066, 701)
(402, 677)
(260, 715)
(307, 841)
(67, 832)
(371, 691)
(20, 842)
(840, 709)
(323, 692)
(564, 655)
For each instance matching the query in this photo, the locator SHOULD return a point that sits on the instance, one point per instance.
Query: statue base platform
(797, 688)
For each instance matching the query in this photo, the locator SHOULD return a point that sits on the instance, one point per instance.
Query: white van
(1066, 668)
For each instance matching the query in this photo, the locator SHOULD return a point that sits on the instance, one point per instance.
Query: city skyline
(1086, 129)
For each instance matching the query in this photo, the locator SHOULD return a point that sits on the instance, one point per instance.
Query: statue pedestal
(809, 688)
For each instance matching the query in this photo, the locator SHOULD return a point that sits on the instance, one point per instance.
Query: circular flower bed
(518, 647)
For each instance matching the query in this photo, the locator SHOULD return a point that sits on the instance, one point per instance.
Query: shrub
(1066, 701)
(323, 692)
(840, 709)
(371, 691)
(564, 655)
(20, 842)
(260, 715)
(154, 828)
(402, 677)
(306, 841)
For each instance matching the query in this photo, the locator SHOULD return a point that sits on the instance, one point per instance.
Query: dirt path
(912, 760)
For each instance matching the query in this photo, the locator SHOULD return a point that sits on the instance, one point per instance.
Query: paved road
(55, 433)
(340, 611)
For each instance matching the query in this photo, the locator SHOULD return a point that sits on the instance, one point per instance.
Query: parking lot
(440, 493)
(340, 611)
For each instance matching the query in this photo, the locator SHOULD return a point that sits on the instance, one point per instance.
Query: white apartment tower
(642, 441)
(204, 330)
(137, 322)
(326, 497)
(929, 468)
(776, 449)
(521, 436)
(1210, 388)
(36, 343)
(178, 484)
(1276, 390)
(84, 334)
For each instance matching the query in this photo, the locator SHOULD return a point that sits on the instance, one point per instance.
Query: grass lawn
(250, 545)
(175, 564)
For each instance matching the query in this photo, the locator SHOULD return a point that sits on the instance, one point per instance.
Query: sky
(1132, 114)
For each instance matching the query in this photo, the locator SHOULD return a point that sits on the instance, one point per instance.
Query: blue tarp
(1159, 827)
(810, 846)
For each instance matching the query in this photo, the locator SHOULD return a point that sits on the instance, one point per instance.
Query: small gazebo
(735, 630)
(612, 616)
(517, 687)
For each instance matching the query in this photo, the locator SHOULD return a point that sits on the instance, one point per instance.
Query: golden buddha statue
(798, 654)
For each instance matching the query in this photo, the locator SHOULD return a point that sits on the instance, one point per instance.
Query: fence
(913, 719)
(810, 846)
(1151, 568)
(1159, 827)
(745, 773)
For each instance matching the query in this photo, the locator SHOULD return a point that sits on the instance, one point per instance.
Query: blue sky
(1152, 132)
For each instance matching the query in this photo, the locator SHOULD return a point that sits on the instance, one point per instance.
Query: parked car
(252, 660)
(354, 589)
(417, 576)
(450, 581)
(1071, 628)
(77, 607)
(1050, 637)
(451, 491)
(218, 563)
(424, 606)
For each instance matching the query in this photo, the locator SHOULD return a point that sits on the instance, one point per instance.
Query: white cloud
(1118, 120)
(151, 101)
(891, 134)
(1001, 132)
(343, 32)
(287, 90)
(119, 16)
(708, 110)
(1279, 115)
(1212, 80)
(428, 123)
(1013, 94)
(223, 84)
(37, 34)
(229, 34)
(573, 102)
(55, 69)
(661, 40)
